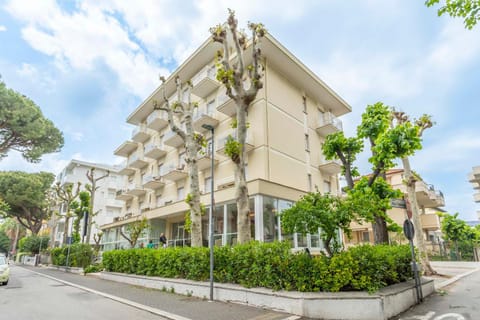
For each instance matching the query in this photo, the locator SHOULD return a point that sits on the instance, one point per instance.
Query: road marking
(447, 316)
(429, 315)
(159, 312)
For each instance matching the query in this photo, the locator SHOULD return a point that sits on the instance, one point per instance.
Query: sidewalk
(451, 271)
(169, 305)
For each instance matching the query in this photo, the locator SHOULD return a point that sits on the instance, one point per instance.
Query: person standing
(150, 244)
(163, 240)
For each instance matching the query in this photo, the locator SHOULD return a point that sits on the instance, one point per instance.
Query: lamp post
(212, 203)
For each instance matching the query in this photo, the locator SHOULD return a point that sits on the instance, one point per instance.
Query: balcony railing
(152, 182)
(155, 151)
(156, 120)
(137, 161)
(172, 139)
(331, 167)
(249, 143)
(173, 172)
(140, 134)
(204, 82)
(328, 124)
(226, 105)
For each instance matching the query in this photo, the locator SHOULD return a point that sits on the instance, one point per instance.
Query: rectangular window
(208, 185)
(210, 107)
(327, 188)
(180, 193)
(304, 104)
(365, 236)
(159, 201)
(309, 182)
(270, 223)
(307, 143)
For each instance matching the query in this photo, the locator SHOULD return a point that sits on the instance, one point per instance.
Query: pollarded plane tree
(66, 194)
(92, 189)
(242, 83)
(417, 127)
(180, 120)
(372, 193)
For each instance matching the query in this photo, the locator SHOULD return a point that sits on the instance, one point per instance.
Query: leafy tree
(26, 195)
(4, 242)
(469, 10)
(131, 232)
(24, 128)
(34, 244)
(315, 211)
(386, 144)
(79, 208)
(194, 143)
(66, 194)
(232, 72)
(455, 229)
(92, 188)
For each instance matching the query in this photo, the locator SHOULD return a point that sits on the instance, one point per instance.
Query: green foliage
(455, 229)
(469, 10)
(4, 242)
(232, 147)
(316, 211)
(24, 128)
(34, 244)
(93, 268)
(349, 147)
(271, 265)
(132, 231)
(26, 196)
(81, 255)
(79, 209)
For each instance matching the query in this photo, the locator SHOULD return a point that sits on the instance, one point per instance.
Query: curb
(455, 278)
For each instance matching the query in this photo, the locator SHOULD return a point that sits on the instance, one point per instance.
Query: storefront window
(270, 220)
(231, 236)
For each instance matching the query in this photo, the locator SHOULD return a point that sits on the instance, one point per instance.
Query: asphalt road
(458, 301)
(29, 296)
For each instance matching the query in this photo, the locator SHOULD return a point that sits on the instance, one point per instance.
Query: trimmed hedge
(81, 255)
(271, 265)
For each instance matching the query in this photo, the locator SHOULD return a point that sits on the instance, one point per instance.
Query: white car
(4, 270)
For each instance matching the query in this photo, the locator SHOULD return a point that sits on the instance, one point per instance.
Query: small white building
(105, 203)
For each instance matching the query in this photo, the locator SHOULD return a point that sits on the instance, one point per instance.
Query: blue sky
(88, 64)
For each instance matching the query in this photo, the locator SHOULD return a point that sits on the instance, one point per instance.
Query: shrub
(93, 268)
(80, 255)
(33, 244)
(271, 265)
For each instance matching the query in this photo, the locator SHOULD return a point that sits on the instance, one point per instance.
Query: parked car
(4, 270)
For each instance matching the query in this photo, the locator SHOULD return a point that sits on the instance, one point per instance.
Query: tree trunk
(90, 213)
(65, 229)
(195, 208)
(380, 231)
(417, 224)
(241, 192)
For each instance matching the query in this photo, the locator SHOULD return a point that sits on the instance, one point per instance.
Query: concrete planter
(381, 305)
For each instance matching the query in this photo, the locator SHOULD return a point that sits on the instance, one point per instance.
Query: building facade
(288, 122)
(430, 201)
(106, 204)
(474, 179)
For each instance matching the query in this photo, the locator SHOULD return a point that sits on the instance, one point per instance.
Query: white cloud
(3, 28)
(50, 163)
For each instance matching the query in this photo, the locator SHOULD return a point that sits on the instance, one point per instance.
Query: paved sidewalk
(175, 307)
(451, 271)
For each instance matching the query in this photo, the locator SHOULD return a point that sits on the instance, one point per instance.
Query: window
(309, 182)
(365, 236)
(160, 169)
(180, 193)
(304, 104)
(111, 193)
(181, 160)
(327, 188)
(307, 143)
(270, 221)
(208, 185)
(159, 201)
(210, 107)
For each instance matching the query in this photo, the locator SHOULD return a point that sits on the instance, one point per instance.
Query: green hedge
(81, 255)
(271, 265)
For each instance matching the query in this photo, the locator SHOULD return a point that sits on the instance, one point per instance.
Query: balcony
(154, 151)
(328, 124)
(153, 182)
(123, 195)
(226, 105)
(430, 221)
(331, 167)
(134, 189)
(174, 173)
(205, 162)
(137, 162)
(427, 196)
(249, 144)
(125, 149)
(156, 120)
(476, 197)
(203, 118)
(140, 134)
(126, 170)
(172, 139)
(204, 82)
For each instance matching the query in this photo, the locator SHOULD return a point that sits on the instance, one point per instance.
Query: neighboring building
(429, 201)
(288, 120)
(105, 204)
(474, 178)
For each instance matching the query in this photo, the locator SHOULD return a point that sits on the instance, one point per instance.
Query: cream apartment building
(106, 204)
(474, 179)
(429, 201)
(289, 120)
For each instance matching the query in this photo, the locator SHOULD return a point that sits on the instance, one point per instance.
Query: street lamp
(212, 203)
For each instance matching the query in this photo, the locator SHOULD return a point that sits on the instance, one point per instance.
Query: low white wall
(382, 305)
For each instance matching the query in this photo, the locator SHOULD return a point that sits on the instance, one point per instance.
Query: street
(458, 301)
(31, 296)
